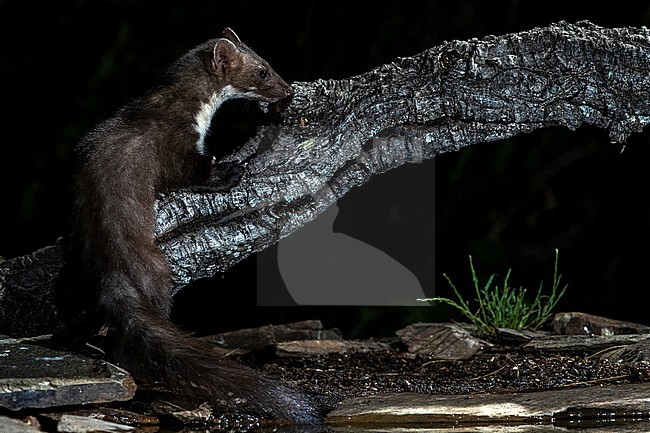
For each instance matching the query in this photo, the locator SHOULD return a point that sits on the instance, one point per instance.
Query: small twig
(489, 374)
(516, 367)
(605, 350)
(234, 351)
(435, 361)
(602, 379)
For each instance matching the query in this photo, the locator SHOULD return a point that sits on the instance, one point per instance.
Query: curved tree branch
(335, 135)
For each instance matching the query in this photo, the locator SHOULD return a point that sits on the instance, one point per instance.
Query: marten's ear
(224, 53)
(229, 34)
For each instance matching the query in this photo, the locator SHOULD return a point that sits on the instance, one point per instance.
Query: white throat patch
(203, 118)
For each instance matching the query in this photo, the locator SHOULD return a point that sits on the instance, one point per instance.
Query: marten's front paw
(226, 175)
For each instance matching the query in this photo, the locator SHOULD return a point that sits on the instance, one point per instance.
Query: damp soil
(340, 376)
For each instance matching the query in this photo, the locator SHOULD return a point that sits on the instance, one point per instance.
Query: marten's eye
(264, 74)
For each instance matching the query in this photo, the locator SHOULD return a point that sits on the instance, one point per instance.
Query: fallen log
(337, 134)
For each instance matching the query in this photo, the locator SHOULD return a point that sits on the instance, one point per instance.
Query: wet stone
(204, 416)
(85, 424)
(33, 376)
(200, 415)
(11, 425)
(109, 414)
(465, 410)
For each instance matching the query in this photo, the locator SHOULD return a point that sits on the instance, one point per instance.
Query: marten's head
(245, 72)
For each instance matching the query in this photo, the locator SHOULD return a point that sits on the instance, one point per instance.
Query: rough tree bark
(335, 135)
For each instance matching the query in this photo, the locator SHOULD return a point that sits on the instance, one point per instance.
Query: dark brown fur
(147, 147)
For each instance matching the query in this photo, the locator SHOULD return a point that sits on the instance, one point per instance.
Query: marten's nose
(288, 92)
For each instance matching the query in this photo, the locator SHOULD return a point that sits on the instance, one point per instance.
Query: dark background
(66, 65)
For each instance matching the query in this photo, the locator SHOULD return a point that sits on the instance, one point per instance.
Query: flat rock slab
(36, 377)
(582, 343)
(508, 408)
(270, 335)
(577, 323)
(122, 417)
(323, 347)
(445, 341)
(84, 424)
(10, 425)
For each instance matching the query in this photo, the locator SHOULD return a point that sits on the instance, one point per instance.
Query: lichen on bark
(337, 134)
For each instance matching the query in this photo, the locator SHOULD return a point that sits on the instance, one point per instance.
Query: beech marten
(152, 144)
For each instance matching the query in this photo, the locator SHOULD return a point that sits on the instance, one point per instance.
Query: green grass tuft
(505, 306)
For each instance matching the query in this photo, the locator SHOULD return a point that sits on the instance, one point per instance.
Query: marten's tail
(156, 352)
